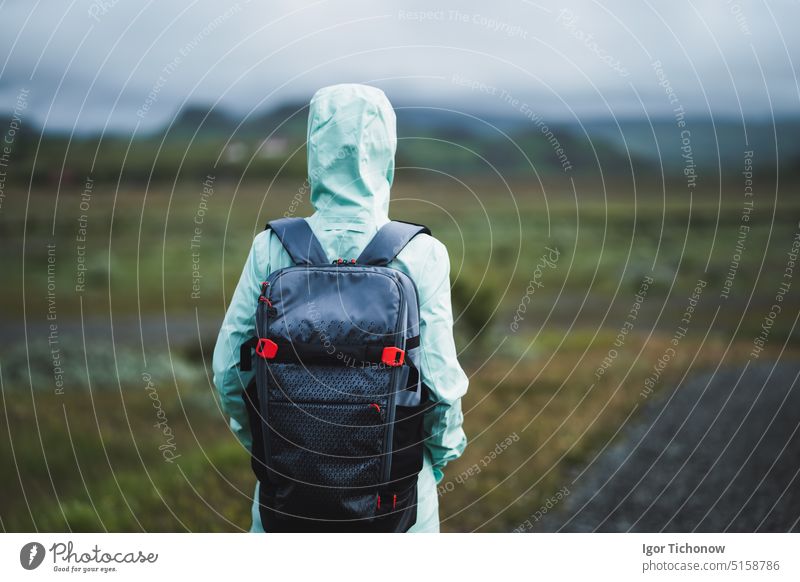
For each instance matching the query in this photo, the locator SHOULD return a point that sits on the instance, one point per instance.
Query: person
(351, 145)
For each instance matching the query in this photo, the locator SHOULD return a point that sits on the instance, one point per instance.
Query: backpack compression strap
(389, 241)
(299, 241)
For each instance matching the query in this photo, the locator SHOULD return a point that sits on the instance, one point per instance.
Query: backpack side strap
(299, 241)
(389, 241)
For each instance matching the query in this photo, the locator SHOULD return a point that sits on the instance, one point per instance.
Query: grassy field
(116, 276)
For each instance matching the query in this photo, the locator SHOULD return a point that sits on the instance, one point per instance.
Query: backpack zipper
(263, 313)
(390, 413)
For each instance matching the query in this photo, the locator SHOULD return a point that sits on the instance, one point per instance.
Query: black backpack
(336, 405)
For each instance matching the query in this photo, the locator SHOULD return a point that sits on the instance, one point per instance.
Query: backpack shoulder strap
(389, 241)
(299, 241)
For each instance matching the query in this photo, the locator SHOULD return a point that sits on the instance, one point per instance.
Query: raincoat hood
(352, 139)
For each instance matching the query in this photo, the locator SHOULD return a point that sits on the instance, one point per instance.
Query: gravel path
(720, 453)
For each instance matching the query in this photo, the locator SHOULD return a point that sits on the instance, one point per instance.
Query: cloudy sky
(122, 63)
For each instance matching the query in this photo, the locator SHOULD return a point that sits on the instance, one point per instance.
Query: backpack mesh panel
(338, 445)
(357, 384)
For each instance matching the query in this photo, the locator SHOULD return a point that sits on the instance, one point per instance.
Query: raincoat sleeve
(441, 372)
(237, 327)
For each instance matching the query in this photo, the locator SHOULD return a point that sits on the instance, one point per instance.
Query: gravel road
(721, 452)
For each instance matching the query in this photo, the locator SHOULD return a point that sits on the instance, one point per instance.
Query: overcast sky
(121, 63)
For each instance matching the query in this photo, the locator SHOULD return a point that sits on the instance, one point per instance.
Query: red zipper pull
(263, 296)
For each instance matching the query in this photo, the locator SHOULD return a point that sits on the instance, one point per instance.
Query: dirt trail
(719, 453)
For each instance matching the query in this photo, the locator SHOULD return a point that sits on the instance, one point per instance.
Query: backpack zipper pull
(263, 297)
(377, 408)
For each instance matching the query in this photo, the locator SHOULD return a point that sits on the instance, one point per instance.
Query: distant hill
(721, 141)
(202, 140)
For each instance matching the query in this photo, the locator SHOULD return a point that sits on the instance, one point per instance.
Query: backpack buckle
(266, 348)
(393, 356)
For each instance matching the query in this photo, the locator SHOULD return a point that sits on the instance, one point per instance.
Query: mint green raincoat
(351, 146)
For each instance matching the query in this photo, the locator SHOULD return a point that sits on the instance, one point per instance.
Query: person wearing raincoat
(352, 141)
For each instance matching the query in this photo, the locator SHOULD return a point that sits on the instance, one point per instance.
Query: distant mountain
(201, 119)
(202, 139)
(288, 121)
(710, 144)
